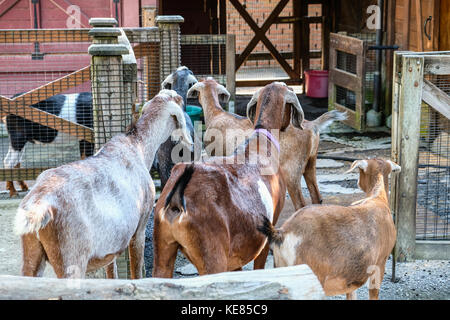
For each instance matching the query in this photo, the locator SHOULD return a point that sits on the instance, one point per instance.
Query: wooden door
(424, 25)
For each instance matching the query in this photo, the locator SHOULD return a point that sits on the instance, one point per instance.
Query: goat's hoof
(13, 194)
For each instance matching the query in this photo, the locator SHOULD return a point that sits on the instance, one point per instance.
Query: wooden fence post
(113, 78)
(231, 69)
(406, 151)
(169, 46)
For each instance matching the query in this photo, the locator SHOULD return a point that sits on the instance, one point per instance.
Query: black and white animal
(181, 80)
(75, 107)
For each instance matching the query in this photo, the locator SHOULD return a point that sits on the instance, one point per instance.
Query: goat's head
(181, 80)
(274, 106)
(168, 104)
(369, 171)
(212, 85)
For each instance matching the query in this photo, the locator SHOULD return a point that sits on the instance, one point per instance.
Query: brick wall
(281, 35)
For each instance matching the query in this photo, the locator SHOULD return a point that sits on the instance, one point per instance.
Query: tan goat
(211, 210)
(229, 130)
(298, 147)
(344, 246)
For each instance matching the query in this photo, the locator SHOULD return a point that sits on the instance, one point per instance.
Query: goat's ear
(194, 91)
(251, 106)
(177, 113)
(297, 112)
(361, 164)
(223, 94)
(394, 167)
(167, 83)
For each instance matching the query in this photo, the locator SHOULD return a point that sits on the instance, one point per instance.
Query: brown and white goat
(215, 226)
(229, 130)
(343, 245)
(299, 153)
(298, 147)
(80, 216)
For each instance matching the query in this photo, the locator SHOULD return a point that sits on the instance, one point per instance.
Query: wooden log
(296, 283)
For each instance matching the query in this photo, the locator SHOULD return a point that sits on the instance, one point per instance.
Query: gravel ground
(419, 280)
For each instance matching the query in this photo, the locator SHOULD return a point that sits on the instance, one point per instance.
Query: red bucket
(316, 83)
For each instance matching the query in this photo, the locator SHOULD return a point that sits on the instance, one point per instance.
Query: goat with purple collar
(75, 107)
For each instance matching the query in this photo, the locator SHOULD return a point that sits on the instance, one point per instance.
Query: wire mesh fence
(46, 101)
(433, 189)
(205, 56)
(260, 64)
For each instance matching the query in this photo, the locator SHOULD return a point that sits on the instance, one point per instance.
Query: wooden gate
(347, 88)
(421, 146)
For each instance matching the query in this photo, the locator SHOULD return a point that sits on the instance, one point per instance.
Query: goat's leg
(375, 281)
(66, 262)
(260, 260)
(293, 182)
(352, 295)
(136, 253)
(311, 181)
(12, 190)
(164, 257)
(111, 270)
(33, 256)
(22, 184)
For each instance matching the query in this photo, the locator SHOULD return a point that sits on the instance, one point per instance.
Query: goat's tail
(328, 118)
(32, 220)
(175, 202)
(274, 236)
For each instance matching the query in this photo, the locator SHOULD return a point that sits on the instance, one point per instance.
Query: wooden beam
(261, 83)
(44, 35)
(21, 105)
(436, 98)
(437, 64)
(20, 174)
(6, 5)
(260, 35)
(432, 250)
(288, 283)
(418, 12)
(408, 122)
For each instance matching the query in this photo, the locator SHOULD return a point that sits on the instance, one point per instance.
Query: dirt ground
(417, 280)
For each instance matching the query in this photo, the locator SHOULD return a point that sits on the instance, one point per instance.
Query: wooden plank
(436, 98)
(346, 44)
(44, 35)
(410, 101)
(352, 116)
(419, 32)
(20, 105)
(20, 174)
(287, 283)
(261, 83)
(203, 39)
(345, 79)
(437, 64)
(230, 65)
(432, 250)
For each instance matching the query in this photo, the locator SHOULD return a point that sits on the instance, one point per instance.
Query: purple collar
(269, 136)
